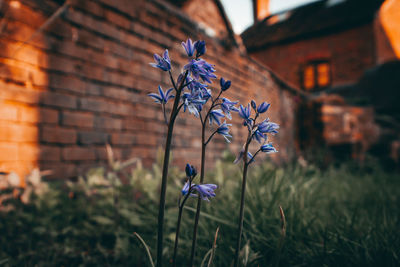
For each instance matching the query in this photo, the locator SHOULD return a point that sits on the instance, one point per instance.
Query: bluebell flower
(209, 69)
(200, 47)
(244, 112)
(162, 98)
(268, 148)
(205, 190)
(199, 88)
(268, 127)
(224, 131)
(216, 115)
(224, 84)
(193, 103)
(163, 62)
(227, 106)
(189, 47)
(240, 157)
(201, 69)
(263, 107)
(259, 136)
(190, 171)
(186, 187)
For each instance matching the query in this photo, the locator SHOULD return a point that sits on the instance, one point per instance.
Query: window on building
(316, 75)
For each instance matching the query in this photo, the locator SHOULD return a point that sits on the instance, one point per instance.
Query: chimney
(260, 9)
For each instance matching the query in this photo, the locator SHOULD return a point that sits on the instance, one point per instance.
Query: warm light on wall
(389, 17)
(15, 4)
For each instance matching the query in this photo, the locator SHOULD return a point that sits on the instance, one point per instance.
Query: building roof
(315, 19)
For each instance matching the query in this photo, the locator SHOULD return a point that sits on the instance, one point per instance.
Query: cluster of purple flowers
(204, 190)
(196, 92)
(191, 93)
(257, 131)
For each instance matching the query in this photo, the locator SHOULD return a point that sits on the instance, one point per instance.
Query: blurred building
(74, 76)
(333, 47)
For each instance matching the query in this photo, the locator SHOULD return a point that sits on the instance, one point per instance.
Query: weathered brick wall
(350, 53)
(207, 14)
(84, 81)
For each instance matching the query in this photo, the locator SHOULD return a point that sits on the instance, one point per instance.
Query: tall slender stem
(203, 157)
(161, 207)
(241, 212)
(178, 226)
(197, 217)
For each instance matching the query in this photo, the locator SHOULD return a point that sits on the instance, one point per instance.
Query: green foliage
(347, 216)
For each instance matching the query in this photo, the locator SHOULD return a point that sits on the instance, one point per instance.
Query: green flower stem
(203, 157)
(163, 190)
(241, 212)
(178, 225)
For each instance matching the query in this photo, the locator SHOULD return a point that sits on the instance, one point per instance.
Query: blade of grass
(146, 247)
(211, 217)
(213, 248)
(205, 257)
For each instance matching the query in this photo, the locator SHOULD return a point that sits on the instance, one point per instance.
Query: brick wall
(84, 81)
(350, 53)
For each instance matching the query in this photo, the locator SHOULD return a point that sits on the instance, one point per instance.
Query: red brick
(49, 153)
(107, 123)
(94, 104)
(36, 114)
(122, 139)
(8, 112)
(58, 100)
(13, 132)
(34, 152)
(78, 119)
(9, 151)
(70, 83)
(90, 138)
(59, 135)
(78, 153)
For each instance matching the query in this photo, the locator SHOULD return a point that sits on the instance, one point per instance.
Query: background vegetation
(337, 216)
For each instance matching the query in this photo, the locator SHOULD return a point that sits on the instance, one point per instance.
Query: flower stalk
(258, 132)
(204, 143)
(163, 190)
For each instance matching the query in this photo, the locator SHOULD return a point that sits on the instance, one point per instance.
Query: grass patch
(339, 216)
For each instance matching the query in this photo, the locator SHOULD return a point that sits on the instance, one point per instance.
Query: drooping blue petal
(156, 98)
(192, 102)
(205, 190)
(215, 116)
(244, 112)
(163, 63)
(189, 47)
(162, 98)
(263, 107)
(268, 127)
(185, 188)
(259, 136)
(227, 106)
(200, 69)
(224, 131)
(268, 148)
